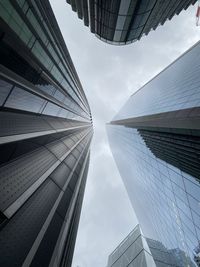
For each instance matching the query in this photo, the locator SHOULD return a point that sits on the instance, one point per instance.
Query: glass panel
(51, 109)
(21, 99)
(179, 92)
(4, 90)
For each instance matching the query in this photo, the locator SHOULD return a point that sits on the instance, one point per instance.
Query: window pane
(4, 91)
(23, 100)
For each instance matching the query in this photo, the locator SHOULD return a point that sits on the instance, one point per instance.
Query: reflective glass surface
(55, 74)
(132, 251)
(12, 96)
(20, 99)
(125, 21)
(4, 91)
(162, 156)
(166, 198)
(138, 251)
(175, 88)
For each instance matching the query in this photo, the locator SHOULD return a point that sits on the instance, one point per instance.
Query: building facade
(45, 135)
(156, 137)
(164, 257)
(125, 21)
(136, 250)
(133, 251)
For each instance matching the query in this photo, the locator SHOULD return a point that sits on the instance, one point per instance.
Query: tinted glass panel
(4, 91)
(20, 99)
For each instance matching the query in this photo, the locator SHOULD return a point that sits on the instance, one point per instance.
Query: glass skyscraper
(133, 251)
(122, 22)
(137, 251)
(155, 140)
(45, 135)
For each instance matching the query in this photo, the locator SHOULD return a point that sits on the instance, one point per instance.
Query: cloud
(109, 75)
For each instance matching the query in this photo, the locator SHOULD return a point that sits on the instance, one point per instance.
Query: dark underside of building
(122, 22)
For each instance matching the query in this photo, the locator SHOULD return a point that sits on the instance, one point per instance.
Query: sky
(109, 75)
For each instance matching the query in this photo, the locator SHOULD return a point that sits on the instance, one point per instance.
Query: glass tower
(155, 140)
(45, 135)
(137, 251)
(122, 22)
(133, 251)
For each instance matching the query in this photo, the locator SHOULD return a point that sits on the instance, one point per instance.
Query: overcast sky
(109, 75)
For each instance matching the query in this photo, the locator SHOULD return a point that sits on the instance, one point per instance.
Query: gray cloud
(109, 75)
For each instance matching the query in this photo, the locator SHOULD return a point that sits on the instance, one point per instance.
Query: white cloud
(109, 75)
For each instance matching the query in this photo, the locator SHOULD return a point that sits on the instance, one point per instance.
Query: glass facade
(58, 77)
(133, 251)
(164, 257)
(136, 250)
(122, 22)
(179, 92)
(45, 135)
(155, 144)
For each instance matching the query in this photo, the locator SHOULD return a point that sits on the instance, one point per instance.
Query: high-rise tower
(155, 140)
(137, 251)
(125, 21)
(45, 135)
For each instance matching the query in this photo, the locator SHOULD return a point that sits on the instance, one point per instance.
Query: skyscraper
(45, 135)
(132, 251)
(155, 141)
(136, 250)
(125, 21)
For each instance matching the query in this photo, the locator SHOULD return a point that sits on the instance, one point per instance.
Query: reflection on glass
(20, 99)
(197, 255)
(175, 88)
(137, 250)
(161, 173)
(4, 91)
(181, 151)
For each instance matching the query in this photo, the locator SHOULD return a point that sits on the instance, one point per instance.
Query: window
(23, 100)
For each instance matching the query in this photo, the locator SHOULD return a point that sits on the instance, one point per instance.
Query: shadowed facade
(45, 136)
(122, 22)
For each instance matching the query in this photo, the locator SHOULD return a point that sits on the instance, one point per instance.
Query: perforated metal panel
(17, 237)
(70, 161)
(57, 148)
(73, 181)
(61, 174)
(68, 142)
(64, 203)
(10, 151)
(14, 123)
(45, 250)
(76, 153)
(18, 175)
(75, 138)
(78, 168)
(67, 253)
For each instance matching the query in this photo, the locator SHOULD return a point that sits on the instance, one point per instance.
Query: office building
(122, 22)
(155, 140)
(45, 135)
(132, 251)
(136, 250)
(164, 257)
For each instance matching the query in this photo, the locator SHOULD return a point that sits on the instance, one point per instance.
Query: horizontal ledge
(10, 210)
(19, 137)
(179, 119)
